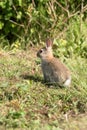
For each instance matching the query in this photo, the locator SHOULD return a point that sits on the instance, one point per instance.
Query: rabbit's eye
(41, 51)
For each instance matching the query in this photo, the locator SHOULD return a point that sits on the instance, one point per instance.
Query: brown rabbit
(53, 70)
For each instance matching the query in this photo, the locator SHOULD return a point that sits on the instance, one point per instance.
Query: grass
(26, 103)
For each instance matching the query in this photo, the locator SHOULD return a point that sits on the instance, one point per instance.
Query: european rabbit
(53, 69)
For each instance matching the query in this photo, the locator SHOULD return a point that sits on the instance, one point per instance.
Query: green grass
(26, 103)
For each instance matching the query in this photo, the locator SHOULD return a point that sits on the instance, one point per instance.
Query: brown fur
(54, 70)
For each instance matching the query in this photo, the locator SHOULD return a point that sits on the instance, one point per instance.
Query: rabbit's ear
(49, 43)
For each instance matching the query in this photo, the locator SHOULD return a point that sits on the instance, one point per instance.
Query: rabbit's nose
(38, 55)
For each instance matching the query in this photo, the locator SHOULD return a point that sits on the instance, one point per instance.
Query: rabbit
(54, 71)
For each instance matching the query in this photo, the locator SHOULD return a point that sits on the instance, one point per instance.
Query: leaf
(2, 4)
(10, 2)
(8, 16)
(1, 25)
(19, 15)
(20, 2)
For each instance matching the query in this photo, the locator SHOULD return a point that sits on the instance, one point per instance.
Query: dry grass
(27, 103)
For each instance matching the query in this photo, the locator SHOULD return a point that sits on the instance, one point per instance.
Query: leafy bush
(75, 41)
(30, 22)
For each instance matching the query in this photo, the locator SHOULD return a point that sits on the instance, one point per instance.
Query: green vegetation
(26, 102)
(24, 23)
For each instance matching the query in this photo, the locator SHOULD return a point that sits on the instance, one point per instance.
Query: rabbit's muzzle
(38, 54)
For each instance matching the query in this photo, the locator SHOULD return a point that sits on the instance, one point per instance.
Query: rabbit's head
(46, 52)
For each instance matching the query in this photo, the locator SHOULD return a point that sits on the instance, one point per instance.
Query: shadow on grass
(39, 79)
(31, 77)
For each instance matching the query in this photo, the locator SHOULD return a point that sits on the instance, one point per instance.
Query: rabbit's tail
(67, 82)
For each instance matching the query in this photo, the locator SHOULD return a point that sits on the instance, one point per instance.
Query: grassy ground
(26, 103)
